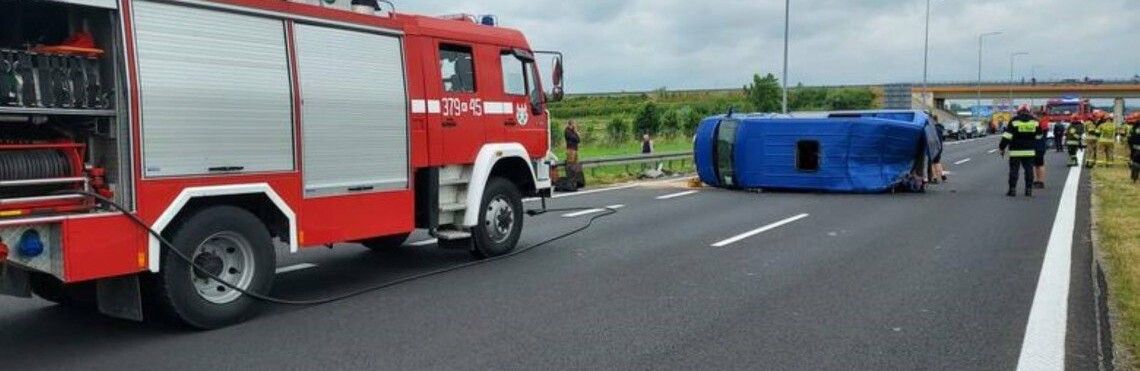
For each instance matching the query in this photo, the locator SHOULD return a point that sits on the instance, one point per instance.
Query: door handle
(511, 123)
(450, 123)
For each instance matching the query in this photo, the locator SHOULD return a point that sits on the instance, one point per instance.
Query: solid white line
(295, 267)
(675, 195)
(1043, 348)
(759, 230)
(429, 242)
(992, 151)
(591, 211)
(962, 162)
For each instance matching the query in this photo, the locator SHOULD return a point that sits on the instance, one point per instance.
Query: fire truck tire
(229, 242)
(386, 243)
(500, 220)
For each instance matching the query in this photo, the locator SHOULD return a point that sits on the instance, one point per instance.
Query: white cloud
(646, 44)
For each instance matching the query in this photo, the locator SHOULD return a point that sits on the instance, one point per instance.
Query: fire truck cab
(229, 127)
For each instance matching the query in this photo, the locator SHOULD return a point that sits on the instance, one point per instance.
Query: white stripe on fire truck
(419, 106)
(433, 106)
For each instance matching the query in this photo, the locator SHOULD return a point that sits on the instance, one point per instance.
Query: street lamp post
(926, 54)
(1012, 59)
(787, 21)
(981, 38)
(1033, 77)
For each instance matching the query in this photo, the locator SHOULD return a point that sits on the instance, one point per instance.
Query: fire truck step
(453, 182)
(452, 207)
(452, 235)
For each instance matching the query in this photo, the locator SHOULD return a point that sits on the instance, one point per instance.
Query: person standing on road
(1041, 148)
(573, 139)
(937, 173)
(1073, 139)
(1107, 144)
(1020, 138)
(1059, 136)
(1092, 138)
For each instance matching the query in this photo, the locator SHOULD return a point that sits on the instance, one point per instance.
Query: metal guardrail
(633, 159)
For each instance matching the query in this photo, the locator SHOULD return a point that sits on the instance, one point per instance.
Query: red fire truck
(230, 127)
(1062, 110)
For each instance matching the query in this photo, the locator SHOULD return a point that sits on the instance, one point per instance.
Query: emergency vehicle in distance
(227, 125)
(1062, 110)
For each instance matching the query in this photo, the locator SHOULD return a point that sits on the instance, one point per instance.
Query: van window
(807, 155)
(515, 79)
(457, 66)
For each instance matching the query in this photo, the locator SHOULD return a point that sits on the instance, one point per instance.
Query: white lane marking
(591, 211)
(992, 151)
(962, 162)
(676, 195)
(295, 267)
(759, 230)
(1043, 348)
(429, 242)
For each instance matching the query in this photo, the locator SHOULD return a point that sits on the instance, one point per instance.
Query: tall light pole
(926, 53)
(1012, 59)
(787, 22)
(981, 38)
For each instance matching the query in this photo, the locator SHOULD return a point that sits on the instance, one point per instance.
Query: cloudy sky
(630, 45)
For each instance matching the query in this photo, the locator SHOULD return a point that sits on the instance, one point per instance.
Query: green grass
(1118, 227)
(596, 150)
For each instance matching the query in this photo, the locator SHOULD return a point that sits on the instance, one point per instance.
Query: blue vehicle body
(860, 152)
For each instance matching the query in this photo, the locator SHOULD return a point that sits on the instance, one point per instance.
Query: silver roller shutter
(355, 111)
(216, 95)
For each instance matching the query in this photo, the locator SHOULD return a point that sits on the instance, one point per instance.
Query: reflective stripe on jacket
(1021, 136)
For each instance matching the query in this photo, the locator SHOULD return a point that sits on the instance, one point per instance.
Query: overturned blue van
(858, 152)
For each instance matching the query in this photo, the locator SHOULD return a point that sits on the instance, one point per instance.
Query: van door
(520, 107)
(460, 109)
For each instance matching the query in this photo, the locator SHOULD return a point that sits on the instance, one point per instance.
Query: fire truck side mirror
(556, 91)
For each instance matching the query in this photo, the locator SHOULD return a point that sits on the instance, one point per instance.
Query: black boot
(1029, 192)
(1011, 193)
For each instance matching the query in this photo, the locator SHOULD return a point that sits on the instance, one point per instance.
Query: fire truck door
(460, 125)
(519, 107)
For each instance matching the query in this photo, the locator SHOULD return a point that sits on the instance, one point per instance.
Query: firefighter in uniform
(1073, 139)
(1020, 138)
(1107, 145)
(1092, 138)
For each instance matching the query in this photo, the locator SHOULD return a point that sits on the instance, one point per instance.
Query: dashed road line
(295, 267)
(676, 195)
(1044, 345)
(963, 161)
(992, 151)
(591, 211)
(760, 230)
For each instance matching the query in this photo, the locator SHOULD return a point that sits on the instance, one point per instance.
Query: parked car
(971, 131)
(952, 130)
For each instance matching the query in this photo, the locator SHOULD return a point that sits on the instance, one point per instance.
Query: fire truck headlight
(30, 245)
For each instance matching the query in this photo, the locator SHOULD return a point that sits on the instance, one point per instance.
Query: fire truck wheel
(386, 243)
(500, 220)
(228, 242)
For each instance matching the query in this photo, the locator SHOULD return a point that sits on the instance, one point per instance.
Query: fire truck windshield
(1064, 109)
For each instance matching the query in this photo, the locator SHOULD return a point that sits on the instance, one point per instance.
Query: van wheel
(500, 220)
(227, 242)
(386, 243)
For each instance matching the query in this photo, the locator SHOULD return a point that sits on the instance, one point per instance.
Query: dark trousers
(1058, 142)
(1020, 163)
(1135, 165)
(1073, 154)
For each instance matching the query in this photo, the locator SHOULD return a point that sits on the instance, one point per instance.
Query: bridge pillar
(1118, 111)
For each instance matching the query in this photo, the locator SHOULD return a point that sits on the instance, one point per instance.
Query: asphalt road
(942, 280)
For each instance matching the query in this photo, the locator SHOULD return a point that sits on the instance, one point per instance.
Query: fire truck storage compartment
(60, 124)
(215, 90)
(355, 115)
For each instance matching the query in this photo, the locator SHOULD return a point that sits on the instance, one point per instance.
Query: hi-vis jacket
(1021, 136)
(1073, 133)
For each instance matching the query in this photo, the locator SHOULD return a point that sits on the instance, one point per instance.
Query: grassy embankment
(1117, 206)
(594, 114)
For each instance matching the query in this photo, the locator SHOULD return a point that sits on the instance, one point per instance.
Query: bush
(557, 134)
(648, 120)
(670, 123)
(617, 130)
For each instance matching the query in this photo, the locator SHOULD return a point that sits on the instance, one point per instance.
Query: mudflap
(14, 281)
(120, 297)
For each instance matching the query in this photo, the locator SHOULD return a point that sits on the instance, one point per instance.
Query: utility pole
(981, 38)
(787, 23)
(1012, 59)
